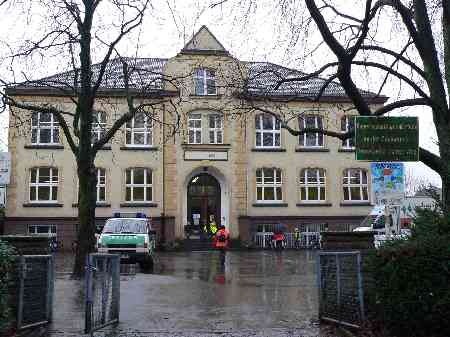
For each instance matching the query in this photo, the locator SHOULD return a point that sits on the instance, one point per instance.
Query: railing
(307, 240)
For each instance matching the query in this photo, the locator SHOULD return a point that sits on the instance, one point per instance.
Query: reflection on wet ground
(256, 293)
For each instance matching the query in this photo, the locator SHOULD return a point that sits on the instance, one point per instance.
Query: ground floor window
(264, 228)
(42, 229)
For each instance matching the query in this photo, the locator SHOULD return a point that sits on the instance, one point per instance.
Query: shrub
(412, 279)
(6, 260)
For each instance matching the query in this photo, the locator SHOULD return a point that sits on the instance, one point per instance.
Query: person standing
(222, 239)
(212, 225)
(297, 238)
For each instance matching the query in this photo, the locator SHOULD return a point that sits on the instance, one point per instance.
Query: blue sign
(387, 180)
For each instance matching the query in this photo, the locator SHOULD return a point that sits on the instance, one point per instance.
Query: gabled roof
(204, 42)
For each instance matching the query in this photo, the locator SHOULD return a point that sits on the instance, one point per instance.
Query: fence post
(49, 287)
(338, 281)
(319, 283)
(360, 287)
(22, 275)
(88, 307)
(116, 286)
(104, 291)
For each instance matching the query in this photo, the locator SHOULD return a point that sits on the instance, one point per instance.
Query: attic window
(205, 82)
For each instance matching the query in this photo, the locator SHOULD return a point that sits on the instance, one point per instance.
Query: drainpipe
(163, 213)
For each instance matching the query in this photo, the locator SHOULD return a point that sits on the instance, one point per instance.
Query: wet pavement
(256, 293)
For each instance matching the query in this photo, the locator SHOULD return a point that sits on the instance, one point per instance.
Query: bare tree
(76, 30)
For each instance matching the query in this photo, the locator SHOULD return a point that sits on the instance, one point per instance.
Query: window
(268, 185)
(215, 129)
(139, 131)
(268, 131)
(311, 139)
(205, 82)
(43, 184)
(101, 185)
(44, 128)
(355, 185)
(98, 125)
(42, 229)
(348, 124)
(312, 184)
(195, 128)
(138, 185)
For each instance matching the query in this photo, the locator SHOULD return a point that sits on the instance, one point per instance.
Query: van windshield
(125, 226)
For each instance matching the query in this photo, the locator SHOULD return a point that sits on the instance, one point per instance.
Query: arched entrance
(203, 200)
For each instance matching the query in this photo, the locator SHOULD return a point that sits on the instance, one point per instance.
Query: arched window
(354, 184)
(269, 185)
(268, 131)
(43, 184)
(312, 185)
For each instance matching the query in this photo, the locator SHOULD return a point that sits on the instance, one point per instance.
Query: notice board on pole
(387, 139)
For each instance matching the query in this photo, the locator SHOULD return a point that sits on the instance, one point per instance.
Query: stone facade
(175, 160)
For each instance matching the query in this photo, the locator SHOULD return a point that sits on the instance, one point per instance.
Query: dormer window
(205, 82)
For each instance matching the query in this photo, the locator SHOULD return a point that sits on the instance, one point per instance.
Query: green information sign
(387, 138)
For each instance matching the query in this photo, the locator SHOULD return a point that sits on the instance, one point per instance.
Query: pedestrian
(297, 238)
(222, 239)
(212, 225)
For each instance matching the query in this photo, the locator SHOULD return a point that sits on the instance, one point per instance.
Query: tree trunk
(86, 215)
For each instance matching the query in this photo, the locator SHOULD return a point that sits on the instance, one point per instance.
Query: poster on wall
(387, 181)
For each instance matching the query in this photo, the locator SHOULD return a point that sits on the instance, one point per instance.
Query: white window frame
(195, 117)
(53, 126)
(260, 131)
(302, 125)
(345, 127)
(36, 185)
(203, 76)
(145, 185)
(146, 130)
(101, 173)
(346, 184)
(262, 184)
(98, 125)
(51, 230)
(319, 184)
(215, 131)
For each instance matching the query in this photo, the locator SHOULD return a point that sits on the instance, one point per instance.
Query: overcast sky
(265, 34)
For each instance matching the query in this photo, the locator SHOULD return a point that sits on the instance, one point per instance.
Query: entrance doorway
(203, 200)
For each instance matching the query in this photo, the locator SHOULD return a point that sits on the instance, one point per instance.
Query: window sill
(139, 148)
(345, 150)
(105, 148)
(355, 203)
(273, 204)
(314, 204)
(312, 149)
(216, 96)
(45, 146)
(98, 205)
(268, 149)
(205, 146)
(42, 204)
(138, 204)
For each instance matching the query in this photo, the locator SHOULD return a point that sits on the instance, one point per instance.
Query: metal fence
(341, 298)
(102, 291)
(33, 286)
(307, 240)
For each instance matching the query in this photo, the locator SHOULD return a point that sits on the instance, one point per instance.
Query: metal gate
(35, 280)
(102, 291)
(341, 298)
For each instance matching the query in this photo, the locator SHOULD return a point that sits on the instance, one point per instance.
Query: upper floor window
(195, 128)
(98, 125)
(312, 184)
(355, 185)
(101, 185)
(205, 82)
(311, 139)
(268, 131)
(44, 128)
(348, 124)
(43, 184)
(138, 185)
(139, 130)
(268, 185)
(215, 129)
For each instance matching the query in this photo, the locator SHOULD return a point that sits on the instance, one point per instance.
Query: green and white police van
(131, 236)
